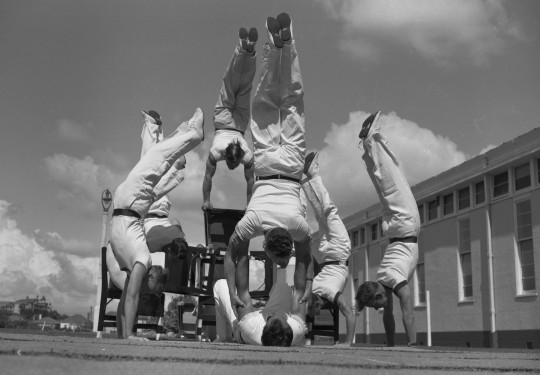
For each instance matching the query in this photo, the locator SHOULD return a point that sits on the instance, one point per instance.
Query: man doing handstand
(275, 210)
(232, 114)
(147, 182)
(331, 249)
(401, 223)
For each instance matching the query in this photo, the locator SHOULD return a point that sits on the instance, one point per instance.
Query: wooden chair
(149, 305)
(318, 326)
(192, 276)
(327, 322)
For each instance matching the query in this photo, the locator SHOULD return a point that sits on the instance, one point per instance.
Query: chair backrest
(187, 275)
(219, 225)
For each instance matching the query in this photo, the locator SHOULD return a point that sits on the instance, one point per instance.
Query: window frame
(517, 249)
(501, 194)
(459, 198)
(448, 203)
(461, 252)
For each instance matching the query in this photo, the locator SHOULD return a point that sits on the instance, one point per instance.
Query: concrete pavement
(22, 353)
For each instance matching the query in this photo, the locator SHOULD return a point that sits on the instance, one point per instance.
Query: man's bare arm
(236, 264)
(303, 261)
(249, 174)
(350, 318)
(388, 319)
(404, 295)
(207, 182)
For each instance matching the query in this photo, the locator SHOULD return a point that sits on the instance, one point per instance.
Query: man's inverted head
(233, 154)
(371, 294)
(277, 332)
(278, 245)
(156, 277)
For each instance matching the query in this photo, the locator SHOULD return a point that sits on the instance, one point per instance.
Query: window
(381, 234)
(500, 184)
(526, 274)
(448, 204)
(522, 176)
(362, 236)
(465, 261)
(464, 198)
(354, 238)
(479, 192)
(433, 209)
(373, 232)
(421, 213)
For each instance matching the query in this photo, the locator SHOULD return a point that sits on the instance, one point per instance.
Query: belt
(337, 262)
(410, 239)
(125, 212)
(156, 216)
(234, 130)
(277, 177)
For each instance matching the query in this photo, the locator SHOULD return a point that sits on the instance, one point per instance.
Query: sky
(452, 79)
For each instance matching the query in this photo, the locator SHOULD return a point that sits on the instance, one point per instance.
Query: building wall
(456, 320)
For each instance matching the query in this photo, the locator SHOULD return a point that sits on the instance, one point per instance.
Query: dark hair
(155, 115)
(365, 293)
(276, 333)
(178, 248)
(279, 242)
(162, 275)
(233, 152)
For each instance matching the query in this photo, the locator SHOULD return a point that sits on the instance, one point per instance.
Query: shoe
(243, 36)
(272, 25)
(152, 116)
(368, 123)
(285, 24)
(253, 36)
(197, 123)
(311, 164)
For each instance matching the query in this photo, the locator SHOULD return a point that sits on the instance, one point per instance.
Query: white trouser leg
(401, 218)
(232, 109)
(333, 234)
(225, 315)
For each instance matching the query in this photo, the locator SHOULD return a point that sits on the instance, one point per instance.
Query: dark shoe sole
(285, 25)
(366, 126)
(308, 161)
(272, 25)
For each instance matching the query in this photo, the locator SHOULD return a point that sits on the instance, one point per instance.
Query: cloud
(422, 154)
(72, 131)
(80, 182)
(41, 265)
(442, 31)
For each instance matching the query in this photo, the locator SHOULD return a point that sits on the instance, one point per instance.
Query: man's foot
(243, 36)
(272, 25)
(311, 164)
(152, 116)
(367, 125)
(253, 36)
(285, 24)
(197, 122)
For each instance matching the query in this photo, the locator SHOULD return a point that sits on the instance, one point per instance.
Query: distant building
(30, 303)
(7, 306)
(75, 322)
(479, 252)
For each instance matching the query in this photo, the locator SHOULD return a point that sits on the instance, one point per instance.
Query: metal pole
(353, 289)
(106, 201)
(428, 308)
